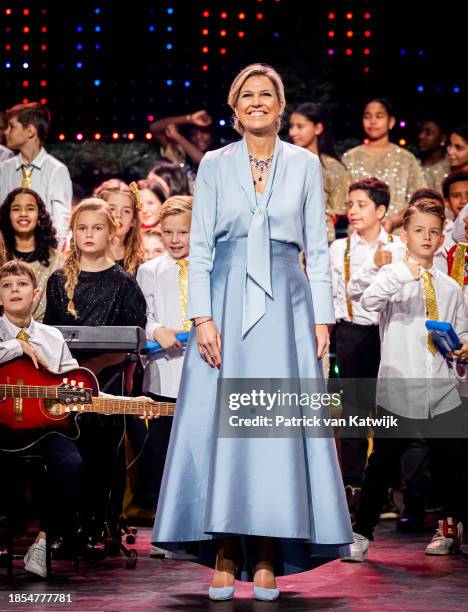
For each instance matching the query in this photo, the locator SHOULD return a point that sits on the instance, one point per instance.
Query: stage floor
(397, 577)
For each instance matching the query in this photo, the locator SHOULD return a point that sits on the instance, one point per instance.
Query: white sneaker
(447, 538)
(359, 549)
(35, 559)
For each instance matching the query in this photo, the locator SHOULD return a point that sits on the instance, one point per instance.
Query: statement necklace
(260, 165)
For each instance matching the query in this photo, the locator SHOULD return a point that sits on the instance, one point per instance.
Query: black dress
(109, 297)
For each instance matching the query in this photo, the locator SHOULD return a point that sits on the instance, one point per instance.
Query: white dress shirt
(5, 153)
(458, 226)
(159, 281)
(50, 179)
(429, 387)
(46, 339)
(361, 254)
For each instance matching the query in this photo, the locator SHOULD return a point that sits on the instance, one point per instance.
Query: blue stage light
(456, 89)
(79, 28)
(25, 65)
(420, 88)
(8, 65)
(151, 28)
(79, 47)
(169, 82)
(169, 46)
(79, 64)
(169, 28)
(97, 11)
(97, 28)
(97, 46)
(97, 82)
(222, 122)
(170, 11)
(403, 52)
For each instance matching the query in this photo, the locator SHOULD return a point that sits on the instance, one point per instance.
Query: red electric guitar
(39, 402)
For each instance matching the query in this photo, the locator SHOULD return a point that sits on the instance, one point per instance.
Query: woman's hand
(209, 341)
(201, 118)
(322, 338)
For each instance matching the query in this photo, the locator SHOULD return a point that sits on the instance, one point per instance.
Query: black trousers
(150, 444)
(58, 493)
(449, 454)
(358, 357)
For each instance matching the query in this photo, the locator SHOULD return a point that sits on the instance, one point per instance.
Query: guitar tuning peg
(81, 384)
(73, 383)
(65, 380)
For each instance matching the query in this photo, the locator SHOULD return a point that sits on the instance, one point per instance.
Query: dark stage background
(106, 69)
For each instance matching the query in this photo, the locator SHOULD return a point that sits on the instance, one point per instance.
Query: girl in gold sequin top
(380, 158)
(30, 236)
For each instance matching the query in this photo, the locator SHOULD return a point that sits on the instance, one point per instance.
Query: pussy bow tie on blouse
(258, 275)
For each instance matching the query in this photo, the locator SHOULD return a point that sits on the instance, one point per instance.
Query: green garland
(90, 163)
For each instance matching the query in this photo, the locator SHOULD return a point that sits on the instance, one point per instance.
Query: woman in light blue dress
(253, 507)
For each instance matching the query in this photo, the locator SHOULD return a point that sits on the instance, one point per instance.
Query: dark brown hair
(31, 114)
(16, 267)
(377, 191)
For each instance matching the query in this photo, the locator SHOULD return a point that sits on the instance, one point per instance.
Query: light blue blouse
(290, 210)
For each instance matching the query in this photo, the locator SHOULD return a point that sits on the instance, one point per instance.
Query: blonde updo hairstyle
(238, 83)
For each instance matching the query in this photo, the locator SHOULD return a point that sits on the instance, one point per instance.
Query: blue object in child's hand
(152, 346)
(445, 338)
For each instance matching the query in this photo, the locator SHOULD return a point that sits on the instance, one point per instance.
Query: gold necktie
(27, 171)
(458, 265)
(432, 311)
(23, 335)
(183, 291)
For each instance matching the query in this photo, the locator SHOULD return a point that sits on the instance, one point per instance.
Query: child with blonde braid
(124, 202)
(93, 290)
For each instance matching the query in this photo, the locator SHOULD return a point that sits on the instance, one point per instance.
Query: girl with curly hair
(124, 203)
(29, 235)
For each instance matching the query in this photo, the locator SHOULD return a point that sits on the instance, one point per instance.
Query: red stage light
(97, 136)
(206, 13)
(25, 11)
(366, 69)
(241, 34)
(331, 34)
(131, 136)
(402, 142)
(224, 15)
(222, 51)
(205, 49)
(79, 136)
(43, 29)
(148, 135)
(259, 16)
(205, 32)
(25, 83)
(367, 15)
(26, 29)
(331, 15)
(349, 33)
(25, 100)
(241, 15)
(367, 34)
(150, 117)
(222, 33)
(7, 47)
(61, 137)
(43, 83)
(366, 51)
(349, 15)
(43, 100)
(349, 52)
(8, 11)
(115, 135)
(43, 47)
(204, 67)
(25, 47)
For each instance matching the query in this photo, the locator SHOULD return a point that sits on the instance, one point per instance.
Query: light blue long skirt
(289, 489)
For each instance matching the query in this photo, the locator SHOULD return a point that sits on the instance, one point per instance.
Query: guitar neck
(107, 405)
(28, 391)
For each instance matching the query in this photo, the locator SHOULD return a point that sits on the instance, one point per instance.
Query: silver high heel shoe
(265, 594)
